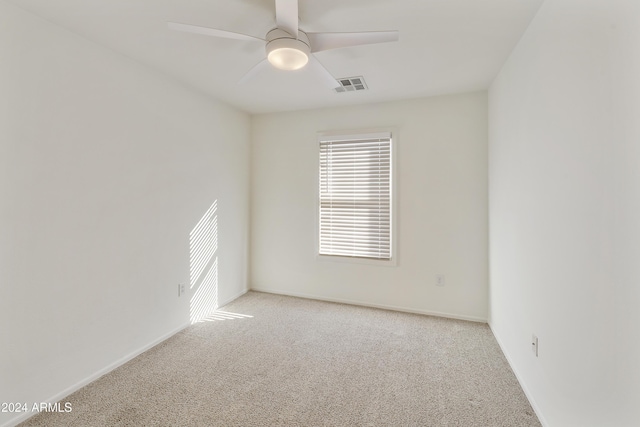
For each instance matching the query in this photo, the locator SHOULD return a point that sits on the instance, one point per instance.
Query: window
(355, 196)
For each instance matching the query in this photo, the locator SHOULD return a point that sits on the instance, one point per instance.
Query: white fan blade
(287, 16)
(256, 69)
(326, 41)
(322, 73)
(211, 32)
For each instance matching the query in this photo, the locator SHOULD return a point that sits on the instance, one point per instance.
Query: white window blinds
(355, 196)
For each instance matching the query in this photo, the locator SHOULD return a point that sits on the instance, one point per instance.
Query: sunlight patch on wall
(203, 265)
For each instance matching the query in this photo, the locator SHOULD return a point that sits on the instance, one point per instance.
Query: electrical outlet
(534, 345)
(180, 289)
(440, 280)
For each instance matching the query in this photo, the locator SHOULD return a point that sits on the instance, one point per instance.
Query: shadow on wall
(203, 266)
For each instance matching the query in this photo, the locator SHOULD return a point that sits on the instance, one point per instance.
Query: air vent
(351, 84)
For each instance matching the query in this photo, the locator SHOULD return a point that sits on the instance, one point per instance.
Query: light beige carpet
(298, 362)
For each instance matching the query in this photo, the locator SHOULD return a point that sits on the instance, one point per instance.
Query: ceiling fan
(290, 48)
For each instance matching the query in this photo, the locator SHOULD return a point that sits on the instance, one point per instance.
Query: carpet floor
(270, 360)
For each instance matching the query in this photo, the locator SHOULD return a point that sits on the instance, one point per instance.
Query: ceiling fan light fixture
(287, 58)
(286, 52)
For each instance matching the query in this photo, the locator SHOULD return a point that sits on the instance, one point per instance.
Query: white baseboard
(367, 304)
(77, 386)
(527, 393)
(233, 298)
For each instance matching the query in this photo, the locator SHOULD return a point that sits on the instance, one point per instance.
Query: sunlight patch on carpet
(220, 315)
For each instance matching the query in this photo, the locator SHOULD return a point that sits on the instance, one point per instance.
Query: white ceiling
(446, 46)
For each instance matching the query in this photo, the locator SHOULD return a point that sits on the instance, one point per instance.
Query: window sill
(355, 260)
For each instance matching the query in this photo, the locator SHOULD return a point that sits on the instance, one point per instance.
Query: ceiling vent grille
(351, 84)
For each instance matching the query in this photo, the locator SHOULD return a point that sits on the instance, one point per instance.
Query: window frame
(348, 134)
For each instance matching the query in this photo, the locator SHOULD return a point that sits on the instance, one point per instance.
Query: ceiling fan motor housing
(287, 52)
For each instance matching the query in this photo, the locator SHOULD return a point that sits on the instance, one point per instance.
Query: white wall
(625, 56)
(105, 167)
(442, 199)
(564, 185)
